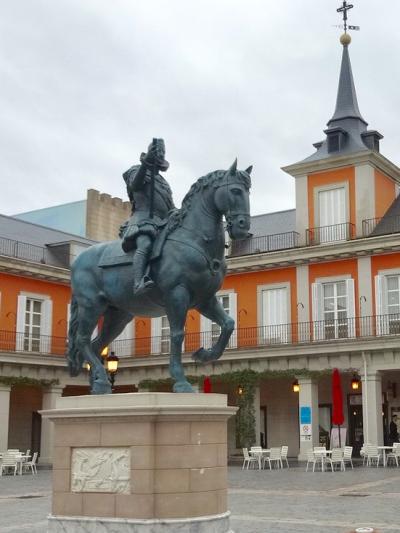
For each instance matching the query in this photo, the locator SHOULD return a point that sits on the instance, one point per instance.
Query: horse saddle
(113, 255)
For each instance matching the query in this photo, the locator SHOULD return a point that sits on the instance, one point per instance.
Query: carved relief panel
(100, 470)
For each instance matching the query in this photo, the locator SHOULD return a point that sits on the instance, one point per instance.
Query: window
(160, 336)
(387, 291)
(275, 320)
(123, 344)
(34, 323)
(333, 309)
(210, 330)
(332, 215)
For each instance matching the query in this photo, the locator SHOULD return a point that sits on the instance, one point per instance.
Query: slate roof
(22, 231)
(272, 223)
(390, 222)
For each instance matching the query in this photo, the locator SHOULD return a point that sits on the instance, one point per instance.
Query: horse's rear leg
(87, 322)
(114, 323)
(177, 305)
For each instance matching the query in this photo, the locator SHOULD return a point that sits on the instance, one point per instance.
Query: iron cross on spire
(346, 7)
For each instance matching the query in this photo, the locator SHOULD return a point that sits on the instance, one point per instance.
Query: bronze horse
(188, 273)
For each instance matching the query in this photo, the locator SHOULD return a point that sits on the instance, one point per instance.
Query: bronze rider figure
(151, 199)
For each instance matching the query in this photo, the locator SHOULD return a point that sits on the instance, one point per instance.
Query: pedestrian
(393, 433)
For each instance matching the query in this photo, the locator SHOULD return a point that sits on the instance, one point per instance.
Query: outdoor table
(259, 455)
(384, 448)
(322, 454)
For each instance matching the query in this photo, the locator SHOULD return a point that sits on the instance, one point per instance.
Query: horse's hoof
(101, 387)
(183, 386)
(200, 355)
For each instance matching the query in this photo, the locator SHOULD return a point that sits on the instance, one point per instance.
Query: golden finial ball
(345, 39)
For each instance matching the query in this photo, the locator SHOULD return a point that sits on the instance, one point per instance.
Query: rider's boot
(142, 282)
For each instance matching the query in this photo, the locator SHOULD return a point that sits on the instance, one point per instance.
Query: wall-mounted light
(300, 304)
(240, 390)
(295, 386)
(355, 383)
(104, 352)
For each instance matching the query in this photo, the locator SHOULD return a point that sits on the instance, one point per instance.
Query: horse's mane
(212, 179)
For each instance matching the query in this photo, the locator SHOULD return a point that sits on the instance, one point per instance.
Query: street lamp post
(112, 367)
(111, 362)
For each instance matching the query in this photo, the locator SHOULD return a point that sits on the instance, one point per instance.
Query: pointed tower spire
(346, 101)
(347, 130)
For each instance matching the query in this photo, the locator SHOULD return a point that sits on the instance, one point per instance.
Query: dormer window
(335, 139)
(371, 139)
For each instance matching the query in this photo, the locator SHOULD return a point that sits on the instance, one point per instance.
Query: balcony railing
(325, 234)
(36, 254)
(381, 226)
(266, 243)
(244, 338)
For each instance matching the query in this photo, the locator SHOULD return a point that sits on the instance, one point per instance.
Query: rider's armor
(142, 228)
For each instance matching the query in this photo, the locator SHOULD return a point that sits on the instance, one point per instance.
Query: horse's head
(232, 200)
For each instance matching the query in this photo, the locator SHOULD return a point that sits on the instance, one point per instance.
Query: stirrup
(145, 284)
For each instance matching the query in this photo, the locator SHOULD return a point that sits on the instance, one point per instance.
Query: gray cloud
(86, 84)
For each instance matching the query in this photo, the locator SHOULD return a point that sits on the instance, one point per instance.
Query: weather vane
(344, 9)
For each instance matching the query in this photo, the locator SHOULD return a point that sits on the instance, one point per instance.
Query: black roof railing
(334, 233)
(381, 226)
(265, 243)
(34, 253)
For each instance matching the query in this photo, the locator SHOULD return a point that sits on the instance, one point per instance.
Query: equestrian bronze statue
(180, 266)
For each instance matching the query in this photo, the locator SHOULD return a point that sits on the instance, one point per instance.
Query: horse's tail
(74, 357)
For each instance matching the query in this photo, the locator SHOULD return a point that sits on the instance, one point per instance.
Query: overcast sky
(86, 84)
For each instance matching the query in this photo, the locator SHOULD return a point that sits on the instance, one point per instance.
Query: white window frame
(156, 339)
(46, 320)
(206, 323)
(284, 333)
(318, 306)
(383, 324)
(329, 187)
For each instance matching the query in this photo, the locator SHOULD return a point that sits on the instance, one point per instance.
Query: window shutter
(45, 330)
(382, 320)
(233, 314)
(206, 332)
(123, 344)
(21, 308)
(351, 308)
(318, 311)
(156, 335)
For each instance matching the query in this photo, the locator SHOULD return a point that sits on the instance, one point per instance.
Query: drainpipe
(366, 440)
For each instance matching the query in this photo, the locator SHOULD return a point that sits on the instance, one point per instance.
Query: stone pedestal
(140, 463)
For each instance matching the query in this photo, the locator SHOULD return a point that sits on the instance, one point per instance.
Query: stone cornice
(381, 244)
(20, 267)
(371, 157)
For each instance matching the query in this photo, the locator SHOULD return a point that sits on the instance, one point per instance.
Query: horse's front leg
(177, 305)
(215, 312)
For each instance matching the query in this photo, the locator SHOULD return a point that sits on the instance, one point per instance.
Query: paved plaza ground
(281, 501)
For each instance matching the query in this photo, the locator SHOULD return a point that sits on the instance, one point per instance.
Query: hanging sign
(305, 415)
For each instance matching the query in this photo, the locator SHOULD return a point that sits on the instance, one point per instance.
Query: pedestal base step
(83, 524)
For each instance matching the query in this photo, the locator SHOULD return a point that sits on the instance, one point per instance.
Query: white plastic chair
(9, 461)
(336, 458)
(394, 455)
(274, 456)
(248, 459)
(347, 455)
(372, 454)
(311, 458)
(31, 464)
(284, 453)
